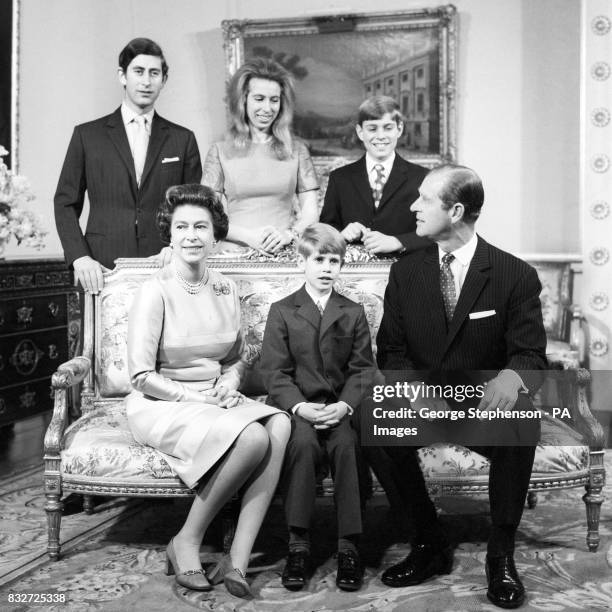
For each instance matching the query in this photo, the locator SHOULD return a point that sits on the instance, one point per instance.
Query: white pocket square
(167, 160)
(482, 314)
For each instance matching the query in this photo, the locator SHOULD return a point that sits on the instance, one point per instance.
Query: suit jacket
(349, 198)
(309, 358)
(121, 219)
(413, 335)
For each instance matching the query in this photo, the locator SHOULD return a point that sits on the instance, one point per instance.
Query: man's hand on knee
(502, 391)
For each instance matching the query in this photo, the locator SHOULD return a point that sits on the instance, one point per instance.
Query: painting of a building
(414, 83)
(334, 73)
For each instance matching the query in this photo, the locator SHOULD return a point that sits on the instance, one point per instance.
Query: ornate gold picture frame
(338, 61)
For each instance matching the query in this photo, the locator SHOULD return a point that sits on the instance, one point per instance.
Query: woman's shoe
(234, 580)
(236, 584)
(222, 567)
(191, 579)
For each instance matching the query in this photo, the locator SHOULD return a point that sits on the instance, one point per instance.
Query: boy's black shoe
(297, 570)
(350, 571)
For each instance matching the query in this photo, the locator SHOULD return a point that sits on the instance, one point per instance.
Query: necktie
(447, 286)
(141, 142)
(320, 307)
(379, 183)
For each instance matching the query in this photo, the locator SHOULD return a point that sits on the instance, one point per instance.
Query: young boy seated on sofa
(317, 363)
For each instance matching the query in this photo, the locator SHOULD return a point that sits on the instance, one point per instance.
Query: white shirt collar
(463, 254)
(127, 114)
(323, 299)
(387, 164)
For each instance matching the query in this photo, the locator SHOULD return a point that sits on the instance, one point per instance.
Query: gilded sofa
(97, 455)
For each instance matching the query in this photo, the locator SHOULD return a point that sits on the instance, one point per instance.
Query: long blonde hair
(237, 92)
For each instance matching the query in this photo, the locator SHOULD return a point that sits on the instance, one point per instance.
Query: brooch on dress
(221, 288)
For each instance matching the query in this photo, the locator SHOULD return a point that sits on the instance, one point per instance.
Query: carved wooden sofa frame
(96, 455)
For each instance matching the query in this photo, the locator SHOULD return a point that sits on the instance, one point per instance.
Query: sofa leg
(53, 508)
(593, 498)
(88, 507)
(532, 500)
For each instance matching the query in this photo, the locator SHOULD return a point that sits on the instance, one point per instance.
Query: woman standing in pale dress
(260, 167)
(184, 353)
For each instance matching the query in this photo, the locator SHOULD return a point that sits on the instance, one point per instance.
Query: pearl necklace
(192, 288)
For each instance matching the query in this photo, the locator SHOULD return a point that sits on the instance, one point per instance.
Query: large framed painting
(338, 61)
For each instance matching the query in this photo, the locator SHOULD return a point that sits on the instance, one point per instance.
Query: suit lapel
(116, 132)
(159, 134)
(306, 308)
(475, 280)
(395, 180)
(362, 184)
(332, 312)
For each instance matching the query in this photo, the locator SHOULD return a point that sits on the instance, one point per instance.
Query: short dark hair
(192, 194)
(321, 238)
(141, 46)
(376, 107)
(462, 185)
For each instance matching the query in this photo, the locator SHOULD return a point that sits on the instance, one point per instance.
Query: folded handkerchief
(482, 314)
(167, 160)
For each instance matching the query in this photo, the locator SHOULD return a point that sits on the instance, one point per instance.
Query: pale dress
(178, 340)
(260, 189)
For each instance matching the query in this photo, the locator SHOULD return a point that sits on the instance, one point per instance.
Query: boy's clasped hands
(323, 416)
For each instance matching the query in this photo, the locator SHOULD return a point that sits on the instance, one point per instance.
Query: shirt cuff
(295, 408)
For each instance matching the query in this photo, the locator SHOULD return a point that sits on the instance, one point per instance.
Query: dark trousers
(307, 451)
(509, 475)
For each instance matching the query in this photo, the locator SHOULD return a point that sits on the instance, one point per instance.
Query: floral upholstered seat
(100, 446)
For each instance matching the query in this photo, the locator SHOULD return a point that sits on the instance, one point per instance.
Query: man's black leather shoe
(297, 570)
(505, 587)
(423, 562)
(350, 571)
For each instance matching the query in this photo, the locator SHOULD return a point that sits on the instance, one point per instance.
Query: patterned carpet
(114, 559)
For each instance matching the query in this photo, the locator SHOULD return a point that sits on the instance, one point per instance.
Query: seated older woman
(185, 359)
(260, 167)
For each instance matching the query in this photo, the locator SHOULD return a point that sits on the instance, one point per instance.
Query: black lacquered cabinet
(39, 329)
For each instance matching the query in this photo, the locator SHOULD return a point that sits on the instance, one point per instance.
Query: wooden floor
(21, 444)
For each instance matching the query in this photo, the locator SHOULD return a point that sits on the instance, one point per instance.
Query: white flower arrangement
(15, 219)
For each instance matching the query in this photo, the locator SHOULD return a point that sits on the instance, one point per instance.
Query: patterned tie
(447, 286)
(320, 307)
(379, 183)
(141, 142)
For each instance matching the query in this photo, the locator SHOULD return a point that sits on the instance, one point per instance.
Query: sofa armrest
(67, 374)
(572, 384)
(70, 373)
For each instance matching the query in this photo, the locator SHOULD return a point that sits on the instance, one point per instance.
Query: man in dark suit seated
(369, 200)
(461, 310)
(125, 161)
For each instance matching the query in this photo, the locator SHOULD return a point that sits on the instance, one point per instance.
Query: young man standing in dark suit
(125, 162)
(369, 200)
(463, 310)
